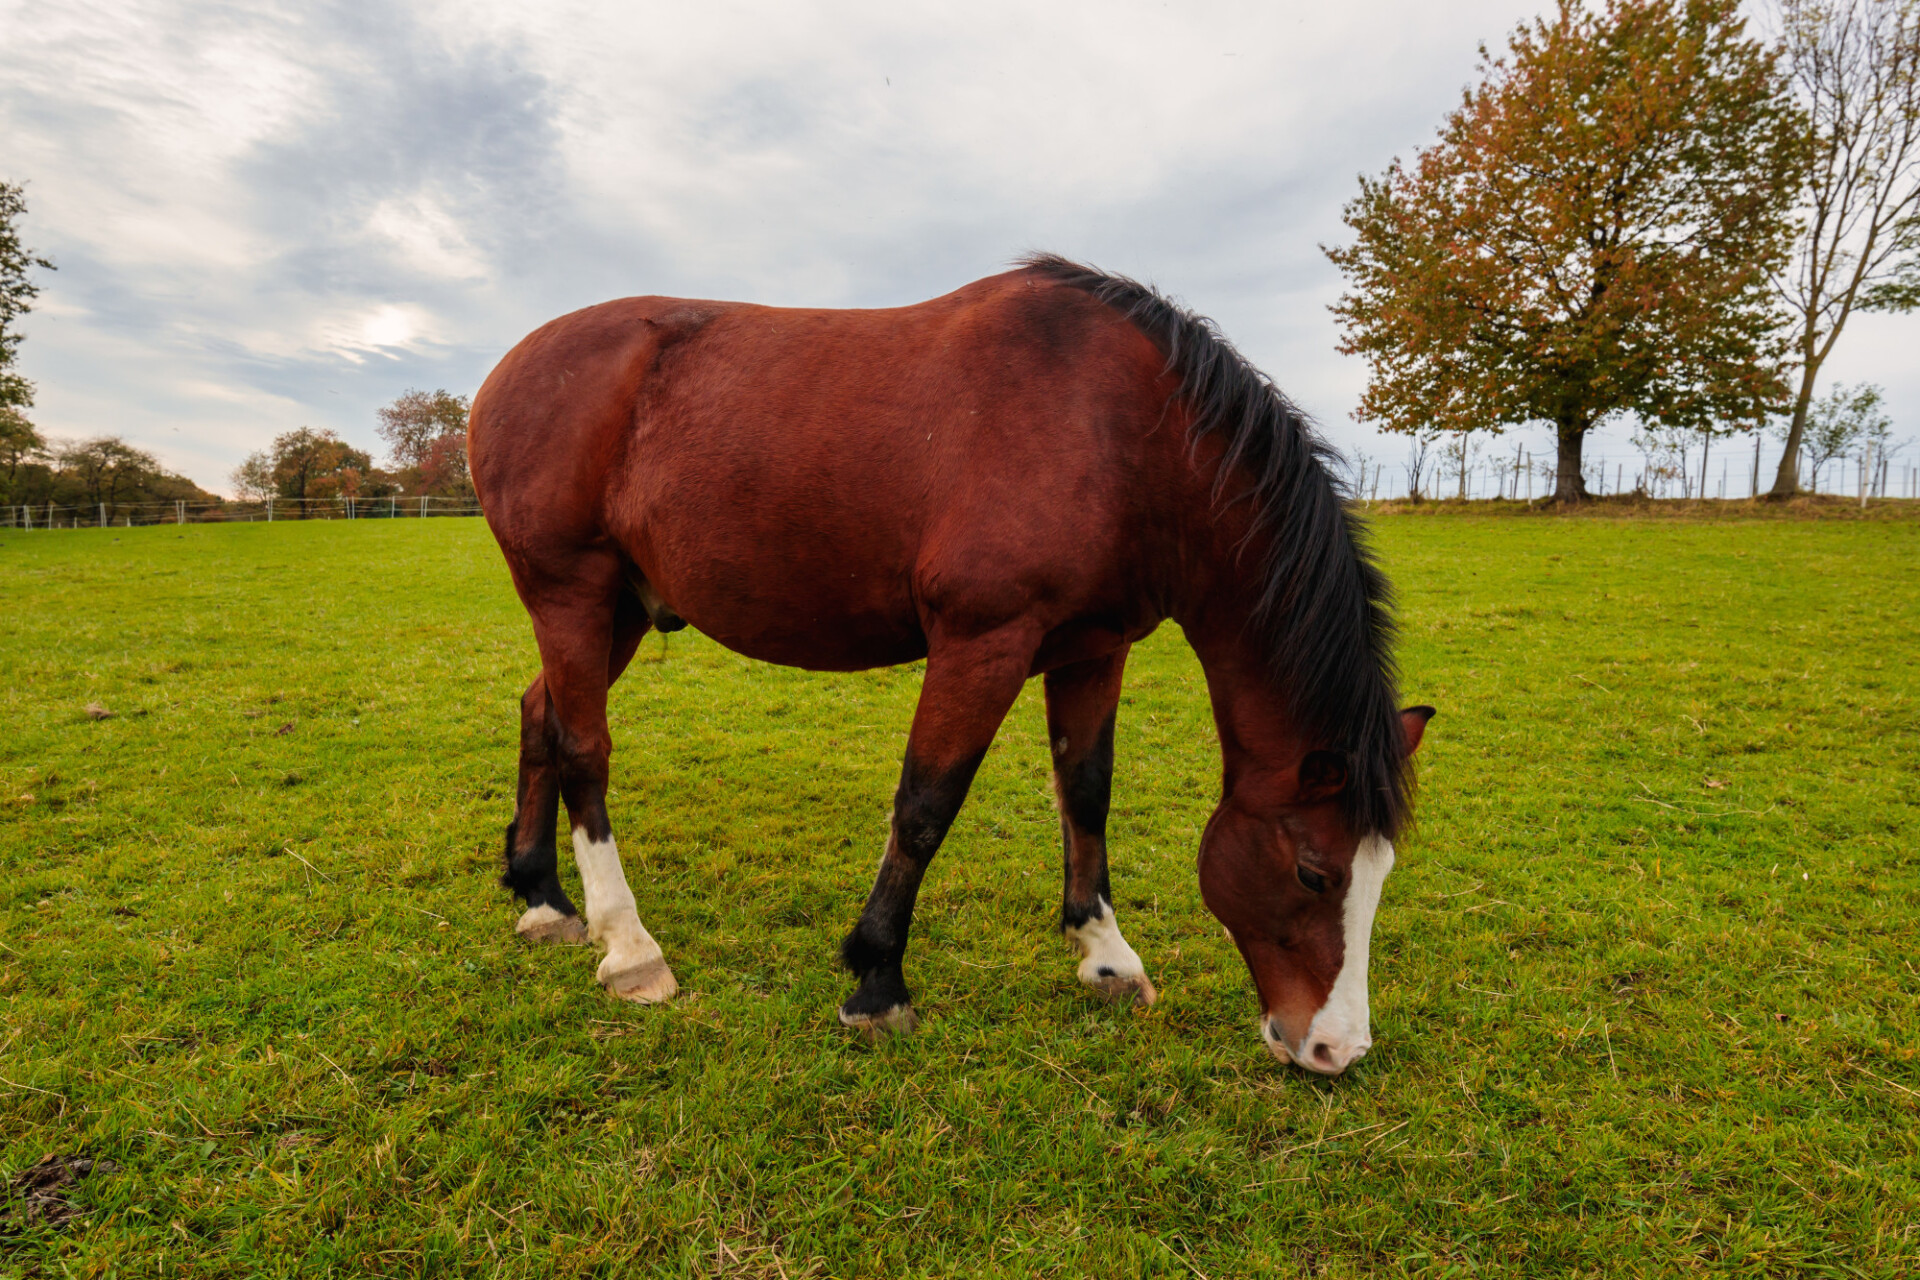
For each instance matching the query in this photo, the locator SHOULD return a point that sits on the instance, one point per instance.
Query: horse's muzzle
(1326, 1052)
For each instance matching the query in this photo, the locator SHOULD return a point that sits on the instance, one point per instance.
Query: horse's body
(1022, 478)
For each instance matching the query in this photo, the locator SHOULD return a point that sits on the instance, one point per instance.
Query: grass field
(1644, 980)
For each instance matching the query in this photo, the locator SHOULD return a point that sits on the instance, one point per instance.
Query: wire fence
(1523, 477)
(129, 515)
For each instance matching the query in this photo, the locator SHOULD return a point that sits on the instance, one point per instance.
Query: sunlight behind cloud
(384, 331)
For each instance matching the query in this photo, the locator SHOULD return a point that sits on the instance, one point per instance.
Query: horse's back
(808, 485)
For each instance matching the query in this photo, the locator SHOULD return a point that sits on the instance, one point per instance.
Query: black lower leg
(923, 808)
(1083, 784)
(532, 862)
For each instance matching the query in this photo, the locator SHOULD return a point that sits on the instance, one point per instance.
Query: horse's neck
(1258, 744)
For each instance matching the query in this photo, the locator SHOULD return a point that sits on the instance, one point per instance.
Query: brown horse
(1020, 479)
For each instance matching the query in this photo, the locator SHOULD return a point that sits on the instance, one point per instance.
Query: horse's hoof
(544, 924)
(897, 1021)
(648, 983)
(1129, 988)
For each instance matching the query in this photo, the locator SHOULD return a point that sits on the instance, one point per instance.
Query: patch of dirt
(37, 1195)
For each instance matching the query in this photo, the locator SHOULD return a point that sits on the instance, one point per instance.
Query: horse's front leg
(1081, 704)
(969, 685)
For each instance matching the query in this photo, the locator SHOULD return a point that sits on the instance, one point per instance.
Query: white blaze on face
(1342, 1030)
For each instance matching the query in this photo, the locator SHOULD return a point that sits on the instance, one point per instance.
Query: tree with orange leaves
(427, 431)
(1592, 235)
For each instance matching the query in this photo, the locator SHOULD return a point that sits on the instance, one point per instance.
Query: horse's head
(1296, 889)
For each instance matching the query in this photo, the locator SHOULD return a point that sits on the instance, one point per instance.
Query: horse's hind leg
(968, 687)
(586, 628)
(532, 869)
(532, 865)
(1081, 703)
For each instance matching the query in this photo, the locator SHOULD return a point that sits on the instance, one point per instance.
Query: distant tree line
(426, 435)
(102, 472)
(1645, 212)
(425, 432)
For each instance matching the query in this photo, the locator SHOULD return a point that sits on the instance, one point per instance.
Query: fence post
(103, 515)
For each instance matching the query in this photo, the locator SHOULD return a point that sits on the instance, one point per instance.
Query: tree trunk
(1569, 483)
(1786, 481)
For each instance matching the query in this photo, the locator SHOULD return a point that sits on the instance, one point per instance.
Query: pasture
(1644, 982)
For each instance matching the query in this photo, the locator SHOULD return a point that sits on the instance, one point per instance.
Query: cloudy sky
(274, 215)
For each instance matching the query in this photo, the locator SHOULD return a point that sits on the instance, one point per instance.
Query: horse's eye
(1313, 880)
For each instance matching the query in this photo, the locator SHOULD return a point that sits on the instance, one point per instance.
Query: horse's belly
(827, 648)
(806, 611)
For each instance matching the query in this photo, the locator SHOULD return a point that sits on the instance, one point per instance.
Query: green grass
(1644, 988)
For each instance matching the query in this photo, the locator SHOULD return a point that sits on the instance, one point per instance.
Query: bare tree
(1419, 458)
(1856, 68)
(1663, 453)
(1844, 422)
(1359, 467)
(1461, 454)
(253, 478)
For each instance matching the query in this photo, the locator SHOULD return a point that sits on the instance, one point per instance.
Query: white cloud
(287, 214)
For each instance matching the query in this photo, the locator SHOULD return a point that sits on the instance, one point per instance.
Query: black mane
(1322, 604)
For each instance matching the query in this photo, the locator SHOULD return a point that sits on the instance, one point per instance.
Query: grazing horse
(1023, 478)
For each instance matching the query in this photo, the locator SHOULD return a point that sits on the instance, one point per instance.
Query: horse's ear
(1323, 775)
(1413, 723)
